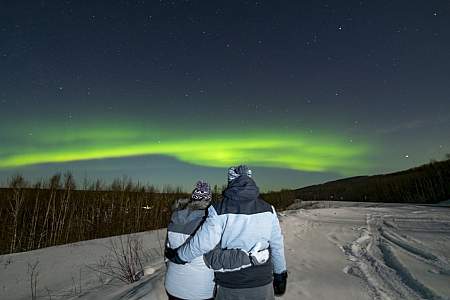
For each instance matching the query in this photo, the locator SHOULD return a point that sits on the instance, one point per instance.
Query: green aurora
(266, 148)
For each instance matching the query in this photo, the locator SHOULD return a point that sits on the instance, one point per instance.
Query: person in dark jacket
(242, 220)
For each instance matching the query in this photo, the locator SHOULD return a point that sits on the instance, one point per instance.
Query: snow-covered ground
(343, 251)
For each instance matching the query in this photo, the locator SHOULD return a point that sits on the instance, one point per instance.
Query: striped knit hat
(202, 191)
(235, 172)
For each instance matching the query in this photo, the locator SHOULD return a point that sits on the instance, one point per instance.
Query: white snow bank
(66, 272)
(315, 204)
(444, 203)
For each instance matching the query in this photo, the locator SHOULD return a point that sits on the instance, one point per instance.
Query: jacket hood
(187, 215)
(187, 203)
(242, 188)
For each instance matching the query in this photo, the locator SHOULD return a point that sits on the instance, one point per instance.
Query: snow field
(344, 251)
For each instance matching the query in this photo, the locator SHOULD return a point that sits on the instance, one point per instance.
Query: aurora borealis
(167, 92)
(259, 148)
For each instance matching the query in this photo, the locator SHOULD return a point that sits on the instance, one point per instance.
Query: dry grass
(54, 213)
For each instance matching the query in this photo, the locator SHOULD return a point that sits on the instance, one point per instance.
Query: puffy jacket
(239, 221)
(193, 280)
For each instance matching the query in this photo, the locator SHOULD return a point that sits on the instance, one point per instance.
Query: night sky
(167, 92)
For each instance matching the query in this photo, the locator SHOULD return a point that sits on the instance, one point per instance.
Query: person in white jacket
(241, 220)
(193, 280)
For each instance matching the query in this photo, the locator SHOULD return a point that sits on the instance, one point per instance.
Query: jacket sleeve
(226, 260)
(166, 245)
(205, 239)
(277, 245)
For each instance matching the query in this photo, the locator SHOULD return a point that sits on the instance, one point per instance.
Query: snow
(444, 203)
(337, 251)
(66, 272)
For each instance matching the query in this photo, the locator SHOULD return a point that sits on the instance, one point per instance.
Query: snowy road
(387, 252)
(351, 252)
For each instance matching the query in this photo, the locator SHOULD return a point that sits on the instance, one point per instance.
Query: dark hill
(429, 183)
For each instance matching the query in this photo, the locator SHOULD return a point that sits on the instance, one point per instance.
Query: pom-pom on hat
(202, 191)
(235, 172)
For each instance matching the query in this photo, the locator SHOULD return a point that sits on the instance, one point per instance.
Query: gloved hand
(258, 256)
(279, 283)
(172, 255)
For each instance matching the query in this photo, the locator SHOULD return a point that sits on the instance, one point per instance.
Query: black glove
(279, 283)
(172, 255)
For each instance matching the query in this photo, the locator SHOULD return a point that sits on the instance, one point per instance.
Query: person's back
(249, 220)
(241, 221)
(193, 280)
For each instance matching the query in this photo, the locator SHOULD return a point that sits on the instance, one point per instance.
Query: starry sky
(167, 92)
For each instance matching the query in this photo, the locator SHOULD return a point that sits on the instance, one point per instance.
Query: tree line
(55, 212)
(429, 183)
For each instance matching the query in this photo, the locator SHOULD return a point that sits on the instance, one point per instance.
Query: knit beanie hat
(202, 191)
(235, 172)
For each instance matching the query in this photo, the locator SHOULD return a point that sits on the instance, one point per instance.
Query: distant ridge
(429, 183)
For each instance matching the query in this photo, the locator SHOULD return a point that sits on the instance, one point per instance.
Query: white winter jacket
(192, 280)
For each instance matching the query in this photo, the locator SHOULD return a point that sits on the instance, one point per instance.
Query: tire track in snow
(406, 245)
(417, 250)
(373, 259)
(392, 261)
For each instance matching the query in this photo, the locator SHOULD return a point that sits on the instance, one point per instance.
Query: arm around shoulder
(205, 239)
